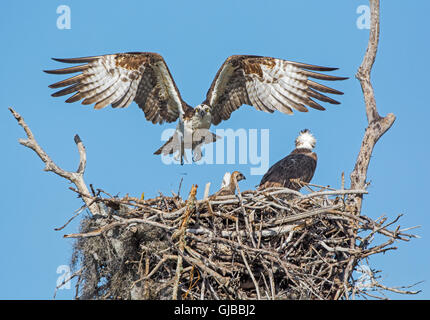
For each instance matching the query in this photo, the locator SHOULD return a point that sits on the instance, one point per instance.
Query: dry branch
(77, 178)
(377, 125)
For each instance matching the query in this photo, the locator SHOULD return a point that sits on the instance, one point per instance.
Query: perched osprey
(300, 164)
(267, 84)
(228, 187)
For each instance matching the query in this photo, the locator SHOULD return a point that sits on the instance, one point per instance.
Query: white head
(202, 111)
(202, 117)
(305, 140)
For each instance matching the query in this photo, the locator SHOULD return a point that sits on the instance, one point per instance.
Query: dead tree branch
(377, 125)
(376, 128)
(77, 178)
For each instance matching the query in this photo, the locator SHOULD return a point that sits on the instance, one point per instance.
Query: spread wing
(119, 79)
(267, 84)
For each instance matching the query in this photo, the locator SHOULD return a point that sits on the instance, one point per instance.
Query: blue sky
(195, 37)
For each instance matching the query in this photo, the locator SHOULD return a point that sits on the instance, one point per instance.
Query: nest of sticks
(258, 244)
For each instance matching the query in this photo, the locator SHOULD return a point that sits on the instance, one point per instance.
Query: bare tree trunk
(376, 128)
(377, 125)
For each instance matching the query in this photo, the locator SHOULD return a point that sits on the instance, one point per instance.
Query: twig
(180, 233)
(257, 289)
(76, 273)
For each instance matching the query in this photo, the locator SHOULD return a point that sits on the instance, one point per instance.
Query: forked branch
(77, 178)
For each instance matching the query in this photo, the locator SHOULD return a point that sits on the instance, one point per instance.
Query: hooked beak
(202, 113)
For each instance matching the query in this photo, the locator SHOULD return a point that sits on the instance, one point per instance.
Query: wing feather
(321, 97)
(109, 98)
(322, 76)
(118, 79)
(322, 88)
(77, 60)
(67, 82)
(126, 99)
(267, 84)
(99, 93)
(68, 70)
(292, 97)
(285, 100)
(67, 90)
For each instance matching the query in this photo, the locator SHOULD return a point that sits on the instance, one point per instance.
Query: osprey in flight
(300, 164)
(267, 84)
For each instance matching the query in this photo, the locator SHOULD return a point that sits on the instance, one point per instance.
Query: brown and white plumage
(266, 83)
(119, 79)
(300, 164)
(228, 186)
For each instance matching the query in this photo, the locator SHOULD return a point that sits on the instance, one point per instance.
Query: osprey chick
(300, 164)
(228, 187)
